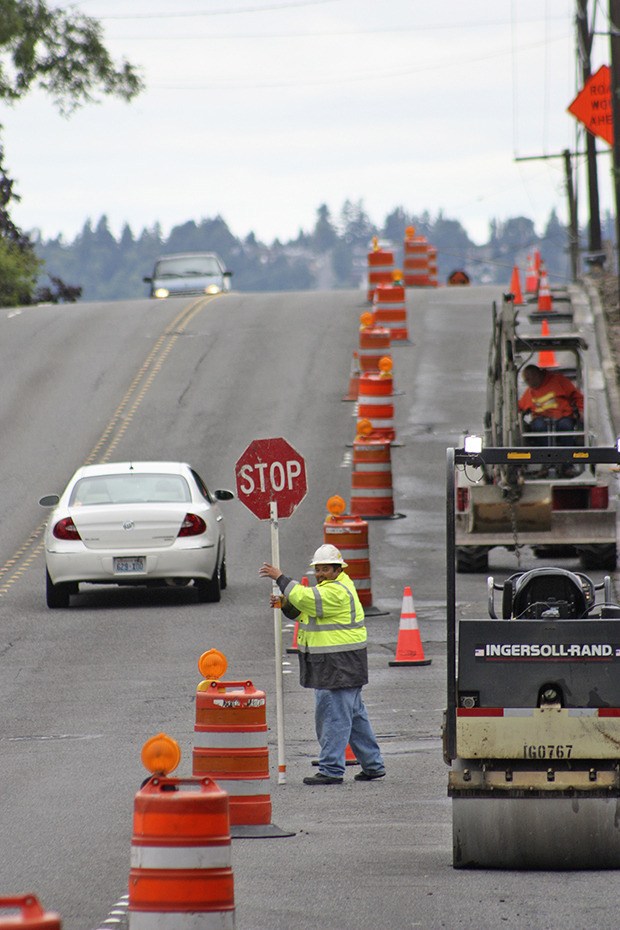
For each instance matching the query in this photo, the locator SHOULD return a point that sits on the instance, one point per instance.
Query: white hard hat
(328, 555)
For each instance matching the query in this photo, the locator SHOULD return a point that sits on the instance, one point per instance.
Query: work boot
(320, 779)
(368, 776)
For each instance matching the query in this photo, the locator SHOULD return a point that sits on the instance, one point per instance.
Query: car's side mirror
(50, 500)
(224, 495)
(147, 280)
(228, 274)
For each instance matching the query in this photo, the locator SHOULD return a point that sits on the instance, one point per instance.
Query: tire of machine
(472, 559)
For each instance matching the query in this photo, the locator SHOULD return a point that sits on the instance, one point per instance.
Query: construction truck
(532, 726)
(563, 511)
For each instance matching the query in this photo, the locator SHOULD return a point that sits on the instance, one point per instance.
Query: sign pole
(277, 634)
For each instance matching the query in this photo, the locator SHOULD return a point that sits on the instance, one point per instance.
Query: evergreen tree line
(332, 255)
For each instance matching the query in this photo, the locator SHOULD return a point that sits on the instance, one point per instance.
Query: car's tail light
(66, 529)
(599, 498)
(462, 499)
(192, 525)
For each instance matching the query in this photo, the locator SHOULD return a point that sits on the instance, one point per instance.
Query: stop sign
(271, 470)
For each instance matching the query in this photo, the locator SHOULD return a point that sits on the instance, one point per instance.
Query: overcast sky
(261, 110)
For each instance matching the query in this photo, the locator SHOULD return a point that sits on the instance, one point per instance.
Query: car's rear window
(130, 489)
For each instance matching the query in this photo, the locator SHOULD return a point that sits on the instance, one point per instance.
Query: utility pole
(614, 33)
(584, 45)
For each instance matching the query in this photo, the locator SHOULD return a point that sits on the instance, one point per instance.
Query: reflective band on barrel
(239, 739)
(365, 400)
(373, 468)
(180, 857)
(246, 786)
(371, 492)
(351, 555)
(204, 920)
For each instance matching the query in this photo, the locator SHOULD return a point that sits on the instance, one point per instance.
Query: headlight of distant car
(213, 289)
(161, 292)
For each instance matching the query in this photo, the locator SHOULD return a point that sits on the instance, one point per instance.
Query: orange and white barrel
(350, 535)
(380, 268)
(415, 261)
(433, 278)
(374, 344)
(180, 876)
(390, 310)
(31, 915)
(230, 745)
(375, 402)
(372, 495)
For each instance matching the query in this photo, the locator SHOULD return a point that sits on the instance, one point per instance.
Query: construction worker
(331, 641)
(553, 402)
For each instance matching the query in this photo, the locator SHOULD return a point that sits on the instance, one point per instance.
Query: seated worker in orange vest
(553, 402)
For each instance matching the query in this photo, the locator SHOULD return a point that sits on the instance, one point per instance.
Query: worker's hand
(269, 571)
(277, 600)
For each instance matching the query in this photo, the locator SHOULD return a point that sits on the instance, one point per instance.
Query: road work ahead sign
(592, 106)
(271, 470)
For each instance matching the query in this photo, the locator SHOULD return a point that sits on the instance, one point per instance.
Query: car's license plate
(133, 564)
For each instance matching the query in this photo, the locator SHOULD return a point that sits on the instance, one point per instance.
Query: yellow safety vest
(331, 618)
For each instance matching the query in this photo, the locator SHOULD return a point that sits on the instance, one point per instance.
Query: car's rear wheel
(56, 595)
(210, 591)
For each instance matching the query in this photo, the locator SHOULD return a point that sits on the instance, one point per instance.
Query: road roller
(532, 725)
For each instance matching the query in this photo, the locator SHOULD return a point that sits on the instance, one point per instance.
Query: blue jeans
(545, 425)
(341, 718)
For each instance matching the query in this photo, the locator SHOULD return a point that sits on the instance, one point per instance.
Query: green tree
(324, 236)
(59, 51)
(18, 274)
(62, 53)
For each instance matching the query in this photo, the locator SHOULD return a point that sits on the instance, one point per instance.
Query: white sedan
(135, 523)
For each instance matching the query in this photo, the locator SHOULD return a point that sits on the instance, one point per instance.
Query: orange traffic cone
(531, 278)
(546, 357)
(545, 302)
(409, 649)
(515, 287)
(349, 756)
(292, 649)
(354, 379)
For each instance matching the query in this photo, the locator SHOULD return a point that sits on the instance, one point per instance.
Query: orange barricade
(415, 262)
(433, 278)
(372, 496)
(374, 344)
(180, 856)
(390, 311)
(230, 745)
(375, 403)
(31, 917)
(380, 267)
(350, 535)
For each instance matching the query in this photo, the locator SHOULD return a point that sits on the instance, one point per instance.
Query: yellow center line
(114, 431)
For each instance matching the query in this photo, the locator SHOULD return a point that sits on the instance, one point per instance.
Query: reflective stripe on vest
(314, 635)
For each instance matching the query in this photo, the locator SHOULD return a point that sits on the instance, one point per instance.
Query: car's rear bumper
(98, 565)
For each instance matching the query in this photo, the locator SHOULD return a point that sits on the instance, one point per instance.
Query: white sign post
(271, 482)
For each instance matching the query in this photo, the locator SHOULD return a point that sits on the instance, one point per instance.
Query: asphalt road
(82, 689)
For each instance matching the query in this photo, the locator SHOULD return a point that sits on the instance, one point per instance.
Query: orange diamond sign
(592, 105)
